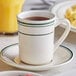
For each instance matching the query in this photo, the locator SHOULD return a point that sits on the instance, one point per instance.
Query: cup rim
(31, 22)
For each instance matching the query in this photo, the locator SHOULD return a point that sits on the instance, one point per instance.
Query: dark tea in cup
(37, 18)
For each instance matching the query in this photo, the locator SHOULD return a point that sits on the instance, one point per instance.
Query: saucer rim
(36, 68)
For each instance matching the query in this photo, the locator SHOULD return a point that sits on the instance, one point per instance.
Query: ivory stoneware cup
(36, 37)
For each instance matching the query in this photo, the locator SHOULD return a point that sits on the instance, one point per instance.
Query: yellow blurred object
(71, 15)
(17, 60)
(8, 11)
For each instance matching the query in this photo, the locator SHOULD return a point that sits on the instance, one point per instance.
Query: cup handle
(66, 32)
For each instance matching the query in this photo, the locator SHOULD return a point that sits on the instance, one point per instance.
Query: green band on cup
(37, 25)
(35, 34)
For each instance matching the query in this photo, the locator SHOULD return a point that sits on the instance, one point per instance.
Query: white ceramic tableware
(60, 9)
(36, 37)
(62, 56)
(18, 73)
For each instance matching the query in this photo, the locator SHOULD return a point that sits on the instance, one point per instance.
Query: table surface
(70, 42)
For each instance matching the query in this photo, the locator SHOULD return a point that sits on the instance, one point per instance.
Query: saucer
(62, 56)
(18, 73)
